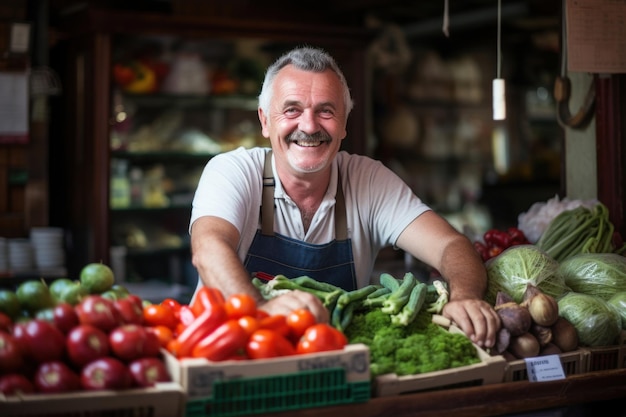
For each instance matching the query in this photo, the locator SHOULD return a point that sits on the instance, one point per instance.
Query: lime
(34, 295)
(111, 295)
(120, 290)
(58, 286)
(97, 278)
(9, 303)
(73, 293)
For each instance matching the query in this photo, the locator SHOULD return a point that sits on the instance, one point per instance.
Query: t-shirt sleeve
(229, 187)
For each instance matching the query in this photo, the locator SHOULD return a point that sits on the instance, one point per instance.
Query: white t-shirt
(379, 205)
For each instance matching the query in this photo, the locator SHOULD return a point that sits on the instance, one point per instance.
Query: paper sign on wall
(13, 107)
(596, 36)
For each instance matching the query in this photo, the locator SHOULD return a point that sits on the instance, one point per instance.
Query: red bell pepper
(209, 320)
(222, 343)
(205, 298)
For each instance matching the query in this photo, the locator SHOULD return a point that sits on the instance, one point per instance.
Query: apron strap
(267, 216)
(341, 224)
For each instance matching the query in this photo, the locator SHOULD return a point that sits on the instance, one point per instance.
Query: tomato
(10, 355)
(105, 373)
(40, 340)
(146, 372)
(298, 321)
(222, 342)
(261, 314)
(129, 310)
(163, 333)
(64, 316)
(239, 305)
(130, 341)
(86, 343)
(157, 314)
(6, 323)
(98, 311)
(56, 376)
(277, 322)
(249, 323)
(321, 337)
(266, 343)
(173, 304)
(15, 384)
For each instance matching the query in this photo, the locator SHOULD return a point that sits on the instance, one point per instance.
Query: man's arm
(434, 241)
(214, 254)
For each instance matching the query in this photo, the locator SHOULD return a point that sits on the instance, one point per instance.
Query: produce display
(393, 318)
(580, 230)
(73, 336)
(559, 290)
(217, 328)
(533, 327)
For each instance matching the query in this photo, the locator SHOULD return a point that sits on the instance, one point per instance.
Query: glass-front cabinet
(152, 98)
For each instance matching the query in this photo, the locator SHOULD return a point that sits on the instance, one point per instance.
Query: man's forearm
(464, 271)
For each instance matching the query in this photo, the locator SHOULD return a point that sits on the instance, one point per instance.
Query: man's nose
(308, 122)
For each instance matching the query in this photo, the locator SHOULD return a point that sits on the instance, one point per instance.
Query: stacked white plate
(4, 255)
(48, 245)
(21, 255)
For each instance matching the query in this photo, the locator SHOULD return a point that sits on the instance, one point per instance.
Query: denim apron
(273, 254)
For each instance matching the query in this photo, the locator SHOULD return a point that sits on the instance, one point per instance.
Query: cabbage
(599, 274)
(596, 322)
(518, 266)
(618, 302)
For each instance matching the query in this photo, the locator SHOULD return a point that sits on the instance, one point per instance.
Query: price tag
(544, 368)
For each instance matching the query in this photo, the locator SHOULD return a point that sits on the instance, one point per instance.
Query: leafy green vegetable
(518, 266)
(599, 274)
(420, 347)
(596, 322)
(618, 302)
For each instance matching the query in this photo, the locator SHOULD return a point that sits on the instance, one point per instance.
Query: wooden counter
(488, 400)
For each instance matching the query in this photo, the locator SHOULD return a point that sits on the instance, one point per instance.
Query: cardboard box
(490, 370)
(244, 387)
(573, 363)
(164, 400)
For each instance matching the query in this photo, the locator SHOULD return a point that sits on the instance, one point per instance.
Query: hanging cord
(499, 42)
(446, 19)
(563, 88)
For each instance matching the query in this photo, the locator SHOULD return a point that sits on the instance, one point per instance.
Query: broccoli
(420, 347)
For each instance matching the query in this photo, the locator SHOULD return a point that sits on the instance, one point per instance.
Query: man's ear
(263, 119)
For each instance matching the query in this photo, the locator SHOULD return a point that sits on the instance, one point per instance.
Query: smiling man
(303, 207)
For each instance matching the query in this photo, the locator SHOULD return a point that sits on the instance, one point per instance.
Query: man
(308, 209)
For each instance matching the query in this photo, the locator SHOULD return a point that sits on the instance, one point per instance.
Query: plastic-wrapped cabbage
(518, 266)
(599, 274)
(596, 322)
(618, 302)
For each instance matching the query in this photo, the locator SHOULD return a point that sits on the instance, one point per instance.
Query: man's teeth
(309, 144)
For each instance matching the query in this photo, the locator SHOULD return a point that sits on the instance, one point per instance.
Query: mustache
(300, 136)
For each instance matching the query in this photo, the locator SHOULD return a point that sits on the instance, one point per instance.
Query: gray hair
(305, 59)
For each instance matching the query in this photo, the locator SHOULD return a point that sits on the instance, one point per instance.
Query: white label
(544, 368)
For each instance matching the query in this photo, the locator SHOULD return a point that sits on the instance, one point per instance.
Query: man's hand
(288, 302)
(476, 318)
